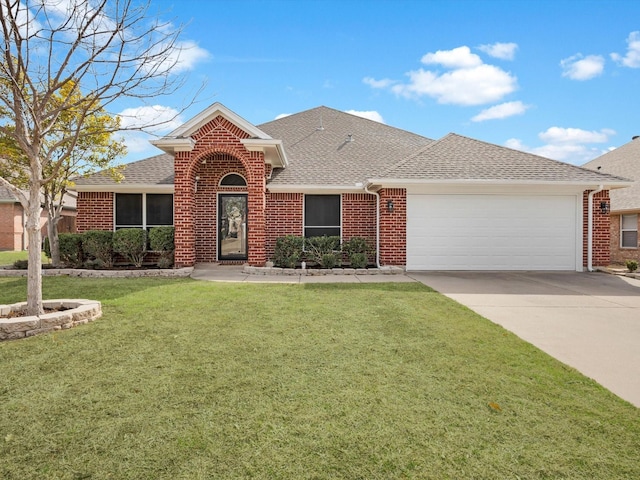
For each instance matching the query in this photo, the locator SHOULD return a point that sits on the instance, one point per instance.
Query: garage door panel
(491, 232)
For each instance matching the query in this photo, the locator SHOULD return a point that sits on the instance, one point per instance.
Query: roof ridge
(414, 154)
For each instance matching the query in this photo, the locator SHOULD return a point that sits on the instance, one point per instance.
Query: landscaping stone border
(78, 312)
(78, 272)
(387, 270)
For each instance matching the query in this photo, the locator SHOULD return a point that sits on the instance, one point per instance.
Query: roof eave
(400, 183)
(172, 145)
(128, 188)
(273, 150)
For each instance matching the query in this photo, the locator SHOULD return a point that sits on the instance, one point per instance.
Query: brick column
(393, 227)
(256, 203)
(601, 243)
(183, 200)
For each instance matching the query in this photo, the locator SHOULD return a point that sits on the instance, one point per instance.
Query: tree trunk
(34, 273)
(54, 242)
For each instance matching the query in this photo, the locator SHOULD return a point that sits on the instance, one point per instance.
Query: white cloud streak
(151, 118)
(572, 145)
(503, 51)
(368, 114)
(578, 67)
(632, 58)
(504, 110)
(467, 81)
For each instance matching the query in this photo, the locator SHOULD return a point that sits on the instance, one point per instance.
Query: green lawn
(8, 257)
(193, 380)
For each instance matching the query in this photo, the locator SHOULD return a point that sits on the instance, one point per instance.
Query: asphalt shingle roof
(455, 157)
(623, 161)
(156, 170)
(319, 154)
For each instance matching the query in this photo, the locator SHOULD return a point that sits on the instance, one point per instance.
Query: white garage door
(491, 232)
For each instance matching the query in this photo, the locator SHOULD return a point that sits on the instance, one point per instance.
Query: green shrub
(288, 251)
(131, 243)
(329, 260)
(71, 253)
(317, 247)
(632, 265)
(98, 245)
(47, 247)
(161, 239)
(21, 264)
(358, 260)
(357, 249)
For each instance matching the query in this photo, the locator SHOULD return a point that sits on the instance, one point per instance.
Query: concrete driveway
(590, 321)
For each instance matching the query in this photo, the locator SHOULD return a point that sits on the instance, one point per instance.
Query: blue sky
(557, 78)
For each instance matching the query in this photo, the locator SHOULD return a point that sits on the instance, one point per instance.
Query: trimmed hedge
(131, 243)
(98, 247)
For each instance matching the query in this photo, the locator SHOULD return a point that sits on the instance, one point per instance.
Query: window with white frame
(143, 210)
(629, 231)
(322, 215)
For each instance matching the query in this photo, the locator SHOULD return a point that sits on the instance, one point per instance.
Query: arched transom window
(233, 180)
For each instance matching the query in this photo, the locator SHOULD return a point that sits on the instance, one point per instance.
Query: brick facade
(95, 211)
(11, 226)
(283, 217)
(601, 253)
(620, 255)
(393, 227)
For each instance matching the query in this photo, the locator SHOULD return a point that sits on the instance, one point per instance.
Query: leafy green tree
(61, 65)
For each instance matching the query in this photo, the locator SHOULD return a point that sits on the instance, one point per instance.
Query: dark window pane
(159, 209)
(128, 209)
(630, 239)
(233, 180)
(322, 210)
(320, 231)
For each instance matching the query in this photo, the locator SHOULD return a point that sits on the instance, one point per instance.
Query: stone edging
(619, 272)
(387, 270)
(77, 272)
(78, 312)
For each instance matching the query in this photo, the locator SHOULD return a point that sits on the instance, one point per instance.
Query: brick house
(13, 235)
(232, 188)
(625, 203)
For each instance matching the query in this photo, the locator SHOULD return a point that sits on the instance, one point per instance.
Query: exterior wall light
(604, 208)
(390, 206)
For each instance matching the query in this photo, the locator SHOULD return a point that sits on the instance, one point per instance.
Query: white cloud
(632, 57)
(282, 115)
(183, 56)
(150, 118)
(368, 114)
(460, 57)
(578, 67)
(503, 51)
(464, 86)
(564, 136)
(373, 83)
(467, 81)
(504, 110)
(570, 145)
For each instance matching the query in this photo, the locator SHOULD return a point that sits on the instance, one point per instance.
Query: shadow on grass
(102, 289)
(381, 287)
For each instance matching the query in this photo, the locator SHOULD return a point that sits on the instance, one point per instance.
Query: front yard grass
(192, 380)
(7, 257)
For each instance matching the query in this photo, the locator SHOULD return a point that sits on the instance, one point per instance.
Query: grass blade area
(191, 380)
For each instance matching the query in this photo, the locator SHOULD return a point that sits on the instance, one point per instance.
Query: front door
(232, 227)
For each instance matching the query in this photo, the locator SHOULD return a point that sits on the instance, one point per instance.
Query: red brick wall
(218, 146)
(621, 255)
(95, 211)
(10, 233)
(393, 227)
(601, 253)
(359, 218)
(283, 217)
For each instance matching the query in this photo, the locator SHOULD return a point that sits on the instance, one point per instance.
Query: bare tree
(103, 49)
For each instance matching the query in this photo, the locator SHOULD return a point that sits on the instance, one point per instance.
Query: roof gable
(623, 161)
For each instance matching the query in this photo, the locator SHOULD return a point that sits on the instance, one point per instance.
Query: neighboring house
(625, 203)
(231, 189)
(13, 235)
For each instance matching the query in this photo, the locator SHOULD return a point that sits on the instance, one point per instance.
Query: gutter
(590, 228)
(366, 189)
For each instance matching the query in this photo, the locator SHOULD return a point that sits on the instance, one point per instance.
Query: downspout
(366, 189)
(590, 227)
